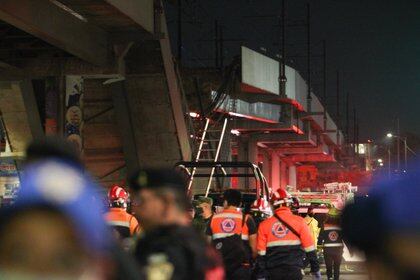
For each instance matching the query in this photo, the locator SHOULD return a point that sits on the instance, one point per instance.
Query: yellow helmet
(334, 212)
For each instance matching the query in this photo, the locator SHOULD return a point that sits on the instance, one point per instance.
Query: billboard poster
(8, 168)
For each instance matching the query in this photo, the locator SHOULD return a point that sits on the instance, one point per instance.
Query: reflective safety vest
(313, 228)
(279, 245)
(332, 236)
(228, 223)
(122, 222)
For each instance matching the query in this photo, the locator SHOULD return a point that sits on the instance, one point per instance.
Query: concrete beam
(34, 119)
(175, 94)
(284, 138)
(310, 158)
(302, 150)
(139, 11)
(123, 116)
(57, 27)
(14, 109)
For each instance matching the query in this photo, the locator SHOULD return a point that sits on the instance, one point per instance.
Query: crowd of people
(58, 228)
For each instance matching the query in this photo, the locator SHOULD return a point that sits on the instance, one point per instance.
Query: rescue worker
(203, 213)
(332, 240)
(169, 247)
(312, 224)
(234, 235)
(282, 239)
(124, 224)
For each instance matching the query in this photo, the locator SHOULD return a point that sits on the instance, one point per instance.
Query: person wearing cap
(385, 225)
(234, 235)
(332, 240)
(282, 239)
(54, 230)
(203, 213)
(56, 149)
(169, 247)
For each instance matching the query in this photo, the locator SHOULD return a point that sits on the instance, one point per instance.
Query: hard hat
(334, 212)
(118, 195)
(261, 205)
(280, 196)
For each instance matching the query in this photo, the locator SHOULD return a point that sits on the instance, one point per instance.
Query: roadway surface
(348, 271)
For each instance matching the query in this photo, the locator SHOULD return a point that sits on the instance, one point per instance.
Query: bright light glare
(381, 164)
(194, 115)
(380, 160)
(235, 132)
(389, 135)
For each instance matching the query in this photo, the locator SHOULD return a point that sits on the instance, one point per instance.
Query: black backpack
(232, 250)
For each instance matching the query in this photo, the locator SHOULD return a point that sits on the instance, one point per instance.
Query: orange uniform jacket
(280, 247)
(124, 223)
(228, 223)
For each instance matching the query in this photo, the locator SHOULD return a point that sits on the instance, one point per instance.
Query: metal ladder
(205, 139)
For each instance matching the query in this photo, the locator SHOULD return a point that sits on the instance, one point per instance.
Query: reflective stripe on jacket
(279, 245)
(125, 223)
(332, 236)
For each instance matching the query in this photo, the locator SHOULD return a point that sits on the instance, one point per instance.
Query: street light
(406, 148)
(380, 160)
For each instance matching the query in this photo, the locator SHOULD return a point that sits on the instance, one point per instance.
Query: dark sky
(374, 43)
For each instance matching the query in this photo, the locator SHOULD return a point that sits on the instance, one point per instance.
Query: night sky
(374, 44)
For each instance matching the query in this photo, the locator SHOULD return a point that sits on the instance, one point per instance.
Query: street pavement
(344, 277)
(348, 271)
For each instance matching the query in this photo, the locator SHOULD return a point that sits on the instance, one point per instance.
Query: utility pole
(389, 161)
(309, 97)
(216, 43)
(221, 47)
(325, 83)
(282, 68)
(398, 145)
(357, 135)
(347, 116)
(354, 129)
(405, 153)
(325, 72)
(179, 41)
(338, 106)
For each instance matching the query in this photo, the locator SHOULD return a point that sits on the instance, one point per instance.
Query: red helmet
(118, 195)
(280, 196)
(261, 205)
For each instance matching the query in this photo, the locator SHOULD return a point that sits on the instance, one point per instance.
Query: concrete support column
(253, 158)
(275, 171)
(252, 151)
(242, 156)
(283, 175)
(266, 167)
(292, 175)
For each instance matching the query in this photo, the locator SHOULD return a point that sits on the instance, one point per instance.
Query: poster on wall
(9, 181)
(74, 111)
(8, 168)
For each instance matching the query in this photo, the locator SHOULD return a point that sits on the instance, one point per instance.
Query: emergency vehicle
(219, 175)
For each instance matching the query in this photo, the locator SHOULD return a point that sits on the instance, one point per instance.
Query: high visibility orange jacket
(280, 247)
(124, 223)
(228, 223)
